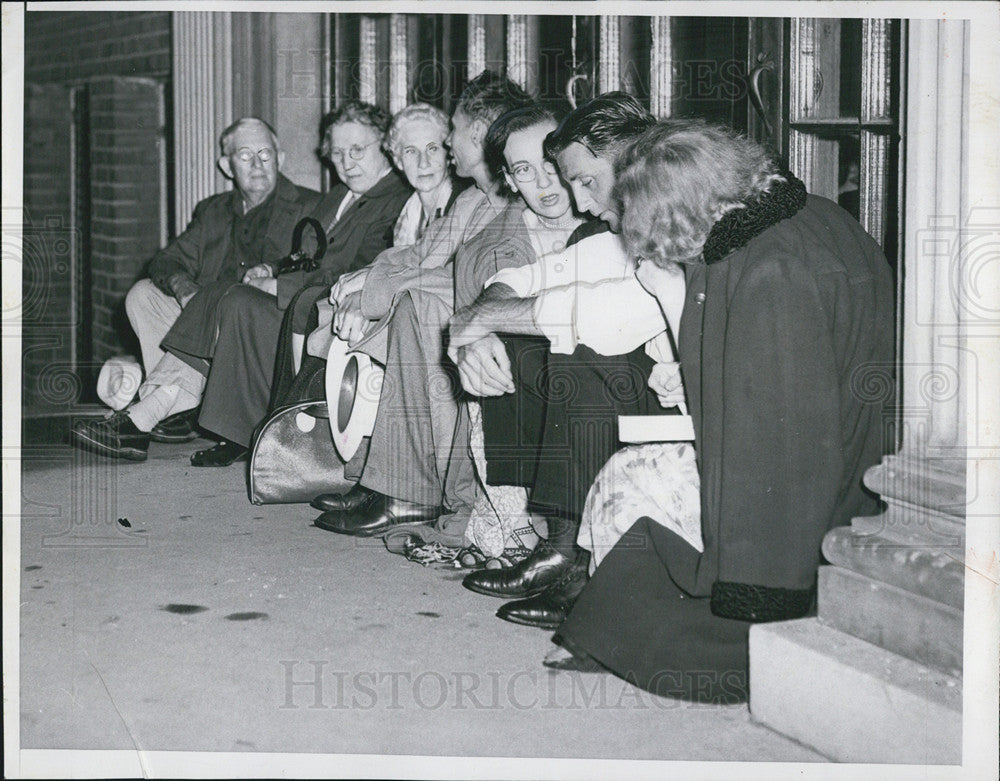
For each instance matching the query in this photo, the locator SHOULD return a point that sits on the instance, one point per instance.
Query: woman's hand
(260, 271)
(349, 283)
(665, 381)
(348, 322)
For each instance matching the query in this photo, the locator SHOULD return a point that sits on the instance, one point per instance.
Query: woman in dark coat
(788, 314)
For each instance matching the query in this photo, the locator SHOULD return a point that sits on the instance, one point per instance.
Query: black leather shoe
(115, 436)
(550, 608)
(349, 500)
(531, 576)
(179, 427)
(375, 515)
(222, 454)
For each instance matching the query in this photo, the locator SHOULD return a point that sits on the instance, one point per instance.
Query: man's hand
(464, 328)
(267, 285)
(349, 283)
(260, 271)
(184, 288)
(665, 382)
(348, 322)
(484, 367)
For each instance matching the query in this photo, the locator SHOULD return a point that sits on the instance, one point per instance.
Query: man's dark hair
(489, 95)
(352, 111)
(604, 125)
(502, 129)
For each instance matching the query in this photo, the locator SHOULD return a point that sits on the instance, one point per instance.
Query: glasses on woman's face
(246, 155)
(356, 152)
(526, 172)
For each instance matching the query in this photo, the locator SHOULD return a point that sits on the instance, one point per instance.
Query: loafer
(179, 427)
(115, 436)
(530, 576)
(349, 500)
(222, 454)
(376, 514)
(550, 608)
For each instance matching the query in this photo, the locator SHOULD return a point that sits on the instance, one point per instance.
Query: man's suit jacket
(362, 231)
(205, 248)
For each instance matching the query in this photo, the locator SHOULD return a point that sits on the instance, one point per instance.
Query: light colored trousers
(152, 313)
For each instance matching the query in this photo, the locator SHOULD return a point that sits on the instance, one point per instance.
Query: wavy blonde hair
(676, 180)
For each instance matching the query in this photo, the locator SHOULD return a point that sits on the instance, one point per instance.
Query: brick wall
(47, 271)
(125, 143)
(118, 62)
(76, 46)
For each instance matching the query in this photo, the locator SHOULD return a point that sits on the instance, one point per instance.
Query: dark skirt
(634, 620)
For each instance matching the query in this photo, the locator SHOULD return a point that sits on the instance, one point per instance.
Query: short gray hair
(412, 113)
(227, 135)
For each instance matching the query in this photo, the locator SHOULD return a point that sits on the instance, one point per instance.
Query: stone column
(877, 676)
(522, 51)
(203, 105)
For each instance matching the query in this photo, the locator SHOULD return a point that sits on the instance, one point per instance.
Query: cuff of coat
(376, 294)
(749, 602)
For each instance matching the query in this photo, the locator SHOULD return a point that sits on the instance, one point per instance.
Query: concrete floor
(189, 630)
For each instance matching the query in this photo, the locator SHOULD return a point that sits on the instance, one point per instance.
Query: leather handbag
(299, 260)
(292, 458)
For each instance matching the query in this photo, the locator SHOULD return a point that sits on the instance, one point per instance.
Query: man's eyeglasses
(356, 152)
(247, 155)
(526, 172)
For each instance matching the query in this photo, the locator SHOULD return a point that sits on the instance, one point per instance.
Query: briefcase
(292, 458)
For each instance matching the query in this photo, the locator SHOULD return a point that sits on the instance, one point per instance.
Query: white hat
(353, 389)
(119, 381)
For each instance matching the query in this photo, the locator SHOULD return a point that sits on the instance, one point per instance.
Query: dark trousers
(560, 426)
(301, 317)
(239, 383)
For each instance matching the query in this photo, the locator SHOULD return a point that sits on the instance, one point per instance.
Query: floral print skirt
(657, 480)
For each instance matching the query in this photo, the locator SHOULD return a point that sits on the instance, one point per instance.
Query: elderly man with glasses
(227, 334)
(229, 234)
(358, 215)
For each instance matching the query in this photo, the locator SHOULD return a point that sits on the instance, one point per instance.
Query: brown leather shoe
(376, 514)
(550, 608)
(349, 500)
(531, 576)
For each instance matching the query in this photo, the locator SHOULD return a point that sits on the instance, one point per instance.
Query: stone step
(915, 526)
(900, 621)
(850, 700)
(931, 572)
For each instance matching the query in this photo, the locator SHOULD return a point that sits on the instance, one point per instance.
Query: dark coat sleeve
(185, 254)
(781, 462)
